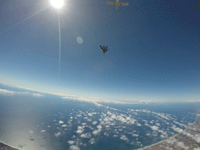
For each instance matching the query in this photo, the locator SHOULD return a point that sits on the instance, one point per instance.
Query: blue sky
(153, 49)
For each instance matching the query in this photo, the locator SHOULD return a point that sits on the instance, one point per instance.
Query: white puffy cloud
(158, 124)
(57, 134)
(86, 135)
(99, 126)
(123, 137)
(181, 144)
(80, 127)
(74, 147)
(43, 131)
(154, 127)
(180, 124)
(177, 129)
(92, 141)
(135, 135)
(71, 142)
(60, 122)
(94, 122)
(64, 125)
(83, 124)
(90, 114)
(95, 132)
(79, 131)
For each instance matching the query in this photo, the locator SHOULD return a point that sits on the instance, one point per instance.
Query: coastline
(4, 146)
(156, 146)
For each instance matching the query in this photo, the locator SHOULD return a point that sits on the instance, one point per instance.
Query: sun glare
(57, 3)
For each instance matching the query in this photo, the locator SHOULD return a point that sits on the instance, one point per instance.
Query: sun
(57, 3)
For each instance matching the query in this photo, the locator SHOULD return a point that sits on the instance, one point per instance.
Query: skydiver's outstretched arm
(101, 46)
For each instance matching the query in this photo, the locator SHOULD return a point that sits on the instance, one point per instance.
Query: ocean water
(50, 122)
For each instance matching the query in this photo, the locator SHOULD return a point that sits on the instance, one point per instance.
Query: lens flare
(79, 40)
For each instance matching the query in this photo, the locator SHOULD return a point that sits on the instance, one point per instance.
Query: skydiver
(104, 49)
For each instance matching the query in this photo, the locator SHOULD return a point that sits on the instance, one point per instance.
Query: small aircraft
(104, 49)
(117, 4)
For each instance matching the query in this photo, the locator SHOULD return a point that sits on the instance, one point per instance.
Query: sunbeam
(59, 46)
(9, 28)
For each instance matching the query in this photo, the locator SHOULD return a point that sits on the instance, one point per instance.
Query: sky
(153, 49)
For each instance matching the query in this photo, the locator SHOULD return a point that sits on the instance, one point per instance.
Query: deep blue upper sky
(153, 49)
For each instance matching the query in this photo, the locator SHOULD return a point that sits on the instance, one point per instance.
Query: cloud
(123, 137)
(61, 122)
(195, 137)
(97, 100)
(180, 124)
(64, 125)
(107, 126)
(89, 120)
(71, 142)
(43, 131)
(12, 93)
(135, 135)
(37, 95)
(90, 114)
(92, 141)
(57, 134)
(80, 129)
(182, 145)
(94, 122)
(99, 127)
(106, 134)
(177, 129)
(154, 127)
(85, 99)
(86, 135)
(95, 132)
(111, 119)
(74, 147)
(6, 92)
(83, 124)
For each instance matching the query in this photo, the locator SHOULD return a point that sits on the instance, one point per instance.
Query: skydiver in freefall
(104, 49)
